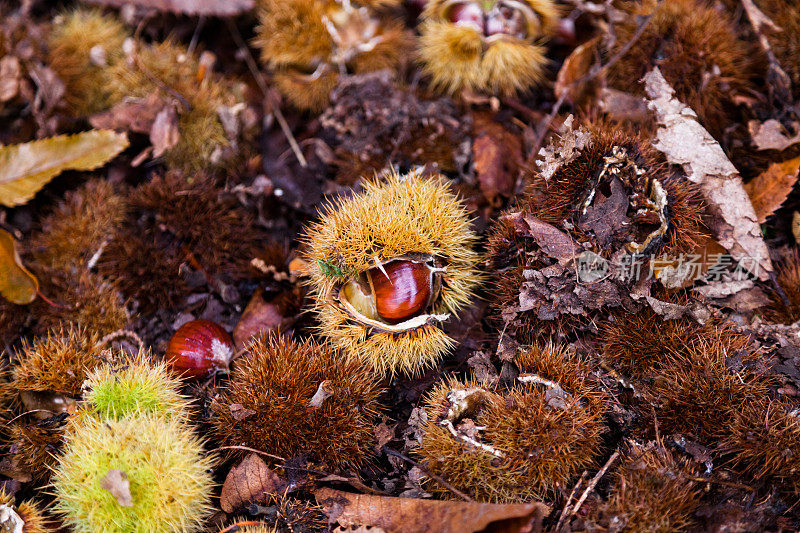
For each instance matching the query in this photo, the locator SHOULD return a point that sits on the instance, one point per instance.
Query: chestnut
(401, 288)
(199, 348)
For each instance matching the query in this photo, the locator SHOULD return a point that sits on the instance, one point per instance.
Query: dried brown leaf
(116, 482)
(770, 188)
(411, 515)
(259, 318)
(251, 481)
(498, 155)
(576, 67)
(17, 284)
(135, 115)
(9, 77)
(687, 144)
(218, 8)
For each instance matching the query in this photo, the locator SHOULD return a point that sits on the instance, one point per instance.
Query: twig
(276, 110)
(431, 475)
(594, 73)
(593, 483)
(572, 494)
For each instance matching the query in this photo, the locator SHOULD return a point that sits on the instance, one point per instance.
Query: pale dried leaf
(188, 7)
(796, 226)
(17, 284)
(411, 515)
(770, 188)
(771, 135)
(251, 481)
(10, 521)
(131, 114)
(9, 78)
(565, 147)
(687, 144)
(116, 482)
(164, 133)
(26, 168)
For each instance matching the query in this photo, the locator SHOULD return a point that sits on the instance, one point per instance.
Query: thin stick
(593, 483)
(595, 72)
(431, 475)
(572, 494)
(276, 110)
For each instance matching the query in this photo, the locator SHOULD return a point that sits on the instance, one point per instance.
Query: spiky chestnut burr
(310, 43)
(27, 513)
(167, 226)
(133, 387)
(609, 199)
(387, 266)
(697, 49)
(486, 46)
(199, 348)
(763, 441)
(514, 445)
(82, 45)
(697, 377)
(652, 491)
(787, 273)
(296, 399)
(165, 465)
(786, 43)
(168, 68)
(57, 363)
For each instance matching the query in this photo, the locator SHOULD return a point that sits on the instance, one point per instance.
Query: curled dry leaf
(771, 135)
(687, 144)
(770, 188)
(116, 482)
(411, 515)
(135, 115)
(259, 318)
(576, 67)
(188, 7)
(251, 481)
(498, 156)
(26, 168)
(17, 284)
(164, 133)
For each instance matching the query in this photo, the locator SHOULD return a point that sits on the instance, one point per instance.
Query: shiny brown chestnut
(199, 348)
(401, 289)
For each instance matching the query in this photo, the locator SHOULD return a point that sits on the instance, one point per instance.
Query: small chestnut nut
(199, 348)
(401, 289)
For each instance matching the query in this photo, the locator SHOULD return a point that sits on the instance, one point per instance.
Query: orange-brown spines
(652, 491)
(515, 444)
(787, 273)
(763, 441)
(696, 48)
(786, 43)
(178, 219)
(696, 377)
(268, 403)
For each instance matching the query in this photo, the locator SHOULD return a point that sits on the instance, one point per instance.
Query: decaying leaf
(26, 168)
(796, 226)
(17, 284)
(259, 318)
(771, 135)
(188, 7)
(251, 481)
(498, 155)
(9, 77)
(411, 515)
(136, 114)
(116, 482)
(687, 144)
(576, 67)
(566, 146)
(770, 188)
(164, 133)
